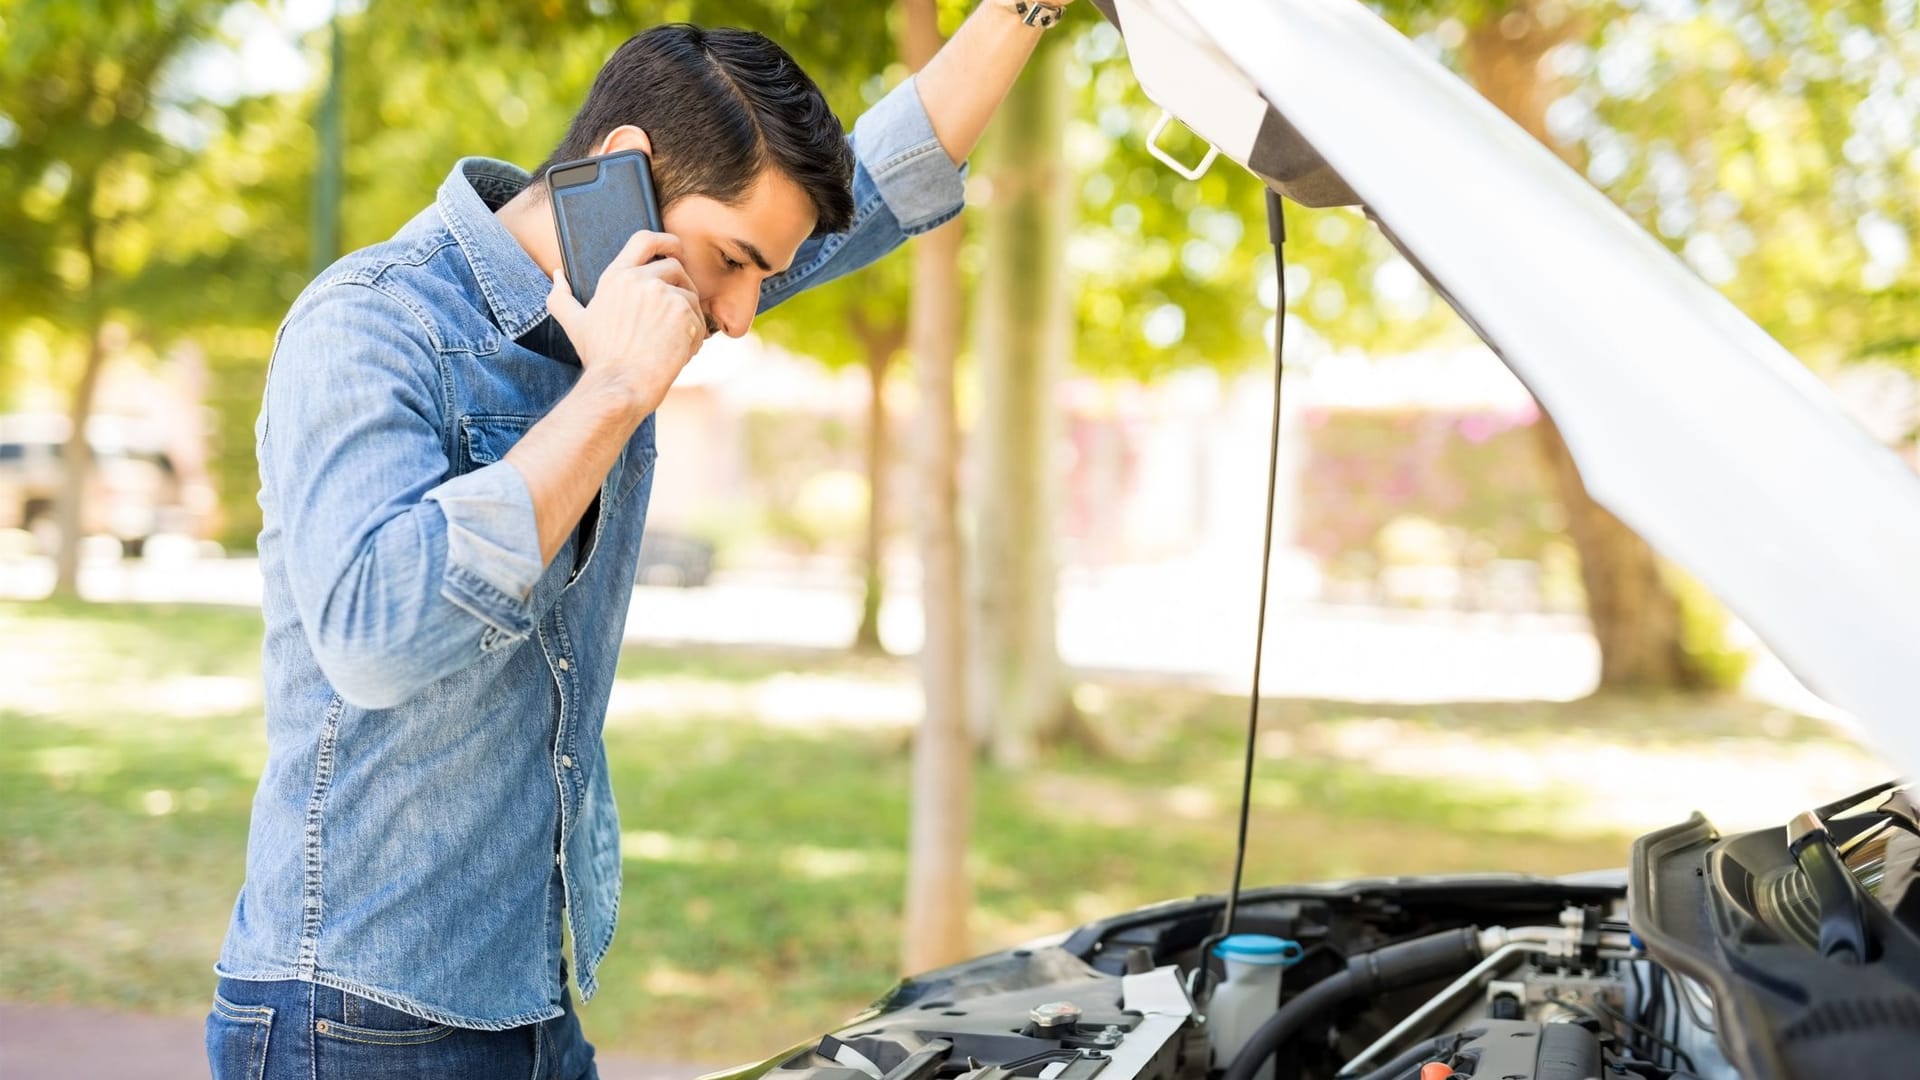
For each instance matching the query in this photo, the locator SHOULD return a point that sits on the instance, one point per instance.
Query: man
(455, 460)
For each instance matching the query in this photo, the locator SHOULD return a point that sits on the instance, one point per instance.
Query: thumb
(560, 302)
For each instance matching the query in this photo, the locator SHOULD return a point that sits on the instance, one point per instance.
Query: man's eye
(732, 263)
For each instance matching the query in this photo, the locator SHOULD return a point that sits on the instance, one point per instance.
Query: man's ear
(626, 137)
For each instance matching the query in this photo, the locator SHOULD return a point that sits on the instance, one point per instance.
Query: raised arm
(909, 148)
(969, 77)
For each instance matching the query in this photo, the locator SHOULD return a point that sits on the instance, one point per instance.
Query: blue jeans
(296, 1030)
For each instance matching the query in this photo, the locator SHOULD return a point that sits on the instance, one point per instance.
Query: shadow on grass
(768, 877)
(123, 850)
(131, 641)
(1158, 723)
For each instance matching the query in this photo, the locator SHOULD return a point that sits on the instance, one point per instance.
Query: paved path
(57, 1042)
(1188, 620)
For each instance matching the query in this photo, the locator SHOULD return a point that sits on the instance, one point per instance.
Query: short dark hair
(720, 106)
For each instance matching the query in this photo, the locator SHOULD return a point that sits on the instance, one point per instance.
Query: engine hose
(1390, 968)
(1407, 1065)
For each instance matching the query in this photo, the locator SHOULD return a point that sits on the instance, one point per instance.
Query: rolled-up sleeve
(903, 184)
(493, 546)
(402, 573)
(911, 171)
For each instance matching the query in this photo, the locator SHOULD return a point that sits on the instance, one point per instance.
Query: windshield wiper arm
(1843, 920)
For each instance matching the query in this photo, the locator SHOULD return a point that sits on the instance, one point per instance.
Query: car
(677, 559)
(133, 492)
(1778, 954)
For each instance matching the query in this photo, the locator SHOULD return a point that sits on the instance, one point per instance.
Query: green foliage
(1721, 664)
(1172, 273)
(1775, 150)
(1772, 145)
(82, 167)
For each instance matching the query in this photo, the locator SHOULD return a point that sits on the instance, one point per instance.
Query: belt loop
(539, 1043)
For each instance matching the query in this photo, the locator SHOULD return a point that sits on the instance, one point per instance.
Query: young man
(455, 459)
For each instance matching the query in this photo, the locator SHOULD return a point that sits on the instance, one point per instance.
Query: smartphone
(598, 204)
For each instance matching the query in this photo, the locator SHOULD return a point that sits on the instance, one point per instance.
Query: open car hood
(1687, 420)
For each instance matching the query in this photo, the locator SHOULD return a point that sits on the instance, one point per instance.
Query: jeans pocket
(370, 1023)
(237, 1039)
(365, 1040)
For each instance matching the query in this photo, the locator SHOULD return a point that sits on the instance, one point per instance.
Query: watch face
(1037, 13)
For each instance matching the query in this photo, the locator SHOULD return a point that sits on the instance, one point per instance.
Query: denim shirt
(436, 787)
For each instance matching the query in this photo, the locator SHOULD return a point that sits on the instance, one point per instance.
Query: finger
(670, 270)
(693, 309)
(644, 247)
(560, 302)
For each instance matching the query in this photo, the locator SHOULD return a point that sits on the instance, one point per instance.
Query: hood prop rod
(1277, 234)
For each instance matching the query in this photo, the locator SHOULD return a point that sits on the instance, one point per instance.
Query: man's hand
(643, 324)
(642, 327)
(967, 79)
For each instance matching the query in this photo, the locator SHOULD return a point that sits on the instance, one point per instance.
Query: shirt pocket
(485, 438)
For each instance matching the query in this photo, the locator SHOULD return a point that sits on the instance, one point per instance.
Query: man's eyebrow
(753, 253)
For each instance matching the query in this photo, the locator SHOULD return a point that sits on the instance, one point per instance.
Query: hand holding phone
(621, 293)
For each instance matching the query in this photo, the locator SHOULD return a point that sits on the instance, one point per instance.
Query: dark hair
(719, 106)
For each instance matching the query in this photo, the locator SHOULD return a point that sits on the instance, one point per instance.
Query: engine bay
(1709, 960)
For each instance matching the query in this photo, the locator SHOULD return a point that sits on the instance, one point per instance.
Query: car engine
(1753, 956)
(1125, 999)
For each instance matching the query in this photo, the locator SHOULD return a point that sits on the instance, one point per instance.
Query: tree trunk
(1635, 616)
(939, 892)
(77, 462)
(1020, 693)
(880, 346)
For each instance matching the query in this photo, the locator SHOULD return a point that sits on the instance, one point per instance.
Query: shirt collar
(513, 284)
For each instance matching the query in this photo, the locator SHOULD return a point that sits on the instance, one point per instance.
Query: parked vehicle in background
(133, 489)
(678, 559)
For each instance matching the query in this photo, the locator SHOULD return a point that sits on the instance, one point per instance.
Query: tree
(81, 168)
(857, 320)
(1773, 152)
(1023, 343)
(1634, 613)
(1676, 116)
(860, 320)
(939, 892)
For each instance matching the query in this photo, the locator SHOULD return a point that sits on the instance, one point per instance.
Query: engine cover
(1524, 1050)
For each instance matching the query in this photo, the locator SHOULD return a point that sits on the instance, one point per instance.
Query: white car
(1791, 952)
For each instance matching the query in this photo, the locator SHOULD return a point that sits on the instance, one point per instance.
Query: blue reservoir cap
(1264, 949)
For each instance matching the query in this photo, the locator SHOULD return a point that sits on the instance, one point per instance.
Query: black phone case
(598, 204)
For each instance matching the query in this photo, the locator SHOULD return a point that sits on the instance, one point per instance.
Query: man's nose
(732, 314)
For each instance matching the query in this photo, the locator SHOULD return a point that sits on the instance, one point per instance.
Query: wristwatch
(1037, 13)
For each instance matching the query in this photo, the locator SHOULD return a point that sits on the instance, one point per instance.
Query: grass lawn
(765, 845)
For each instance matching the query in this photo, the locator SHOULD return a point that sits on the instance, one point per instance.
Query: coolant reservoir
(1250, 994)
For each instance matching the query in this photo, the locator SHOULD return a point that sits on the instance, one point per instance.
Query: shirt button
(564, 665)
(566, 761)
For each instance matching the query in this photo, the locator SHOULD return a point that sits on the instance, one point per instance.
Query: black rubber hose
(1389, 968)
(1413, 1057)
